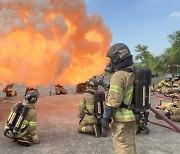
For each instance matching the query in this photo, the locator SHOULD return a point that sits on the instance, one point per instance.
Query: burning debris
(81, 87)
(59, 90)
(49, 41)
(31, 89)
(9, 90)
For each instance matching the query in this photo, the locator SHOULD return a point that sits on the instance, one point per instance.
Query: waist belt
(129, 107)
(90, 114)
(23, 130)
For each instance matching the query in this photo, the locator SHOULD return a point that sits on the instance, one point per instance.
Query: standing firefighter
(119, 100)
(91, 109)
(21, 124)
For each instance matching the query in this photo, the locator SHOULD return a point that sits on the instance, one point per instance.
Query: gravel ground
(58, 122)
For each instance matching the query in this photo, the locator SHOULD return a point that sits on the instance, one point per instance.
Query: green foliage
(159, 64)
(174, 51)
(145, 57)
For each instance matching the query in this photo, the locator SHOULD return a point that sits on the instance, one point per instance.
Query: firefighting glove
(106, 86)
(168, 114)
(107, 115)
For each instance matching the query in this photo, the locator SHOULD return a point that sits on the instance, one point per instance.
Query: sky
(133, 22)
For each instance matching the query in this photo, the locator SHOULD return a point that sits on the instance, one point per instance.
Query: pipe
(166, 119)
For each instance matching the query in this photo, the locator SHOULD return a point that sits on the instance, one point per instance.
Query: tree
(174, 50)
(145, 57)
(159, 64)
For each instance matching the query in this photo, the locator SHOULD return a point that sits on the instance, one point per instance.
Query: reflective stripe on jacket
(29, 124)
(121, 90)
(86, 105)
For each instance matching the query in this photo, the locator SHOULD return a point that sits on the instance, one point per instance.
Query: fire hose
(155, 95)
(175, 127)
(162, 125)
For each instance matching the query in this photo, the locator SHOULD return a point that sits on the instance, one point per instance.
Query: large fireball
(50, 41)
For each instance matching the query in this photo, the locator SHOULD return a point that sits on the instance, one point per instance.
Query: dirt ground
(58, 122)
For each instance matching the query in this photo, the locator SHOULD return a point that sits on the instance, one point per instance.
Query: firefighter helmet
(177, 77)
(31, 97)
(92, 83)
(169, 77)
(120, 56)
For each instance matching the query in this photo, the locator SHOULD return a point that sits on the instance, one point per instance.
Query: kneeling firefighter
(21, 124)
(119, 105)
(91, 109)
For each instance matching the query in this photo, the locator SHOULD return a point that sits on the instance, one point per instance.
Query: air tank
(139, 90)
(148, 88)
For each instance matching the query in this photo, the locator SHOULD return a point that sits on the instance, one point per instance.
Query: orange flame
(49, 41)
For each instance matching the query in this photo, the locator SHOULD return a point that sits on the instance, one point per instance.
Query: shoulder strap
(130, 70)
(90, 92)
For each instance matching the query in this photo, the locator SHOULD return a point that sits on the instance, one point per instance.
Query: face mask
(109, 68)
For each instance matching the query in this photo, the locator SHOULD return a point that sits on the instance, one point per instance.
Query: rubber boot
(24, 141)
(104, 132)
(96, 130)
(144, 128)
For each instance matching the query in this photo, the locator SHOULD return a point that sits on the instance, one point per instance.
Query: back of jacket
(87, 103)
(121, 90)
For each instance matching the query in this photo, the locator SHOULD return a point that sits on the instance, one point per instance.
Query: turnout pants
(86, 125)
(123, 137)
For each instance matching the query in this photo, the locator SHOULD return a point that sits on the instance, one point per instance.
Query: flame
(49, 41)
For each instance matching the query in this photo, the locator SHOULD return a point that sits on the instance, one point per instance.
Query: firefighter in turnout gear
(89, 122)
(9, 90)
(167, 86)
(119, 100)
(171, 110)
(21, 124)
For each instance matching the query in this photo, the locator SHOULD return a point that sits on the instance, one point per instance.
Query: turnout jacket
(86, 107)
(29, 123)
(121, 91)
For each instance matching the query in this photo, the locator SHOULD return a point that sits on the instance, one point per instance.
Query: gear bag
(15, 120)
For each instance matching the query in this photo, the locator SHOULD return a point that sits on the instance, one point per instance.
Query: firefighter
(27, 134)
(9, 90)
(119, 100)
(175, 95)
(167, 86)
(171, 110)
(88, 121)
(60, 89)
(177, 77)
